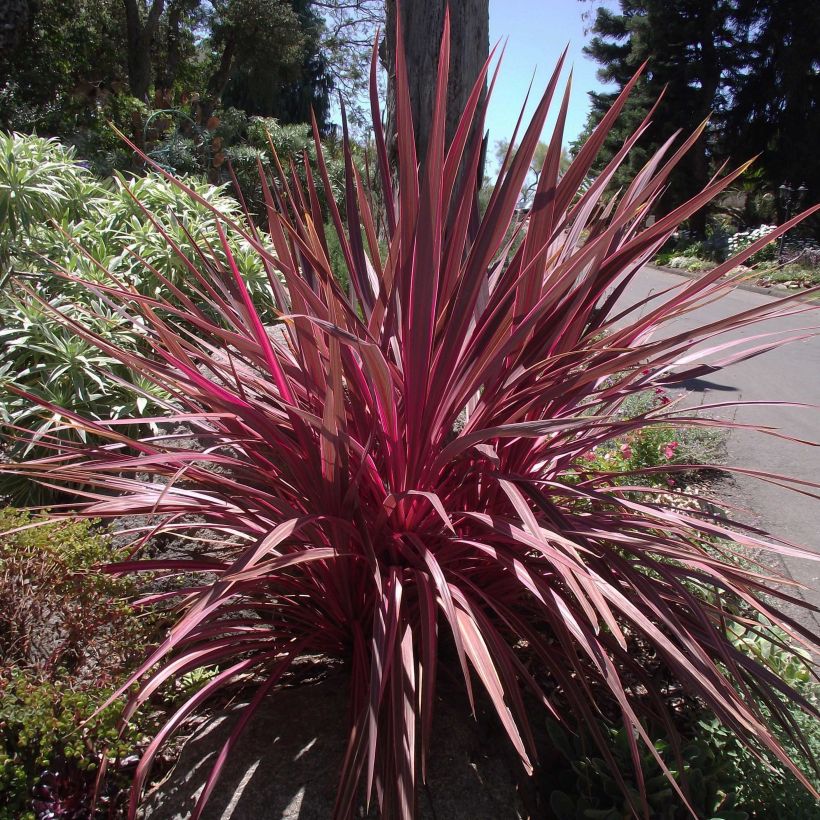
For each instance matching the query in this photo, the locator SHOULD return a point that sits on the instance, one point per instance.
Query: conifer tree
(686, 44)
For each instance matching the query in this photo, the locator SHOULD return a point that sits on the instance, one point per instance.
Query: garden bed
(794, 266)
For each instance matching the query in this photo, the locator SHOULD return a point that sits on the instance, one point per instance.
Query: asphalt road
(790, 373)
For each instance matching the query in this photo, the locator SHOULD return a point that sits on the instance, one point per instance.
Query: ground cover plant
(794, 265)
(789, 276)
(394, 469)
(67, 638)
(727, 780)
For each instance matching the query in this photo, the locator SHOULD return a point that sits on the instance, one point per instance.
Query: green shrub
(234, 142)
(40, 180)
(588, 788)
(93, 138)
(67, 637)
(725, 780)
(695, 249)
(57, 610)
(17, 113)
(46, 359)
(706, 251)
(290, 141)
(180, 155)
(41, 733)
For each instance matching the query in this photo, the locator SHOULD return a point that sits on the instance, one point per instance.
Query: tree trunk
(169, 72)
(218, 81)
(15, 21)
(710, 76)
(422, 24)
(139, 39)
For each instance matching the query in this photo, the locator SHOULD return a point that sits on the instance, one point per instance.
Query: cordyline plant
(394, 473)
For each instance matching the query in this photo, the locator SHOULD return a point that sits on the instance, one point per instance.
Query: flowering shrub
(742, 239)
(391, 477)
(635, 452)
(641, 455)
(690, 263)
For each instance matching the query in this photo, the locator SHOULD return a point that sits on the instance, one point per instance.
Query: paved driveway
(790, 373)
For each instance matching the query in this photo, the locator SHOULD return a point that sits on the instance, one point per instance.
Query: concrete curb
(774, 291)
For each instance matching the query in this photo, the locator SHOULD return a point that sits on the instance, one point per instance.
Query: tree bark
(15, 21)
(139, 39)
(169, 72)
(422, 24)
(218, 81)
(710, 75)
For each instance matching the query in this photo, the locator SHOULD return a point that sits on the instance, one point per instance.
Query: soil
(286, 763)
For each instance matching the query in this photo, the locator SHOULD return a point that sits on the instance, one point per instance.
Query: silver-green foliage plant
(56, 220)
(43, 357)
(690, 263)
(117, 238)
(45, 362)
(40, 180)
(51, 206)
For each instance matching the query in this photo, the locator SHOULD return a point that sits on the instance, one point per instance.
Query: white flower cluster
(742, 239)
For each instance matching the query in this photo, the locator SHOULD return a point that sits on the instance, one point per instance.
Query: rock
(286, 764)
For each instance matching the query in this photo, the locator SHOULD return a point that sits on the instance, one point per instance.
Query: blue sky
(536, 33)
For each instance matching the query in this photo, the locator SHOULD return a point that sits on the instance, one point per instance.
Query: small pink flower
(669, 450)
(661, 395)
(670, 482)
(626, 451)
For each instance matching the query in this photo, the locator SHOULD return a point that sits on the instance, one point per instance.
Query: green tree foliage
(13, 23)
(268, 59)
(174, 52)
(686, 43)
(67, 51)
(66, 58)
(753, 65)
(774, 97)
